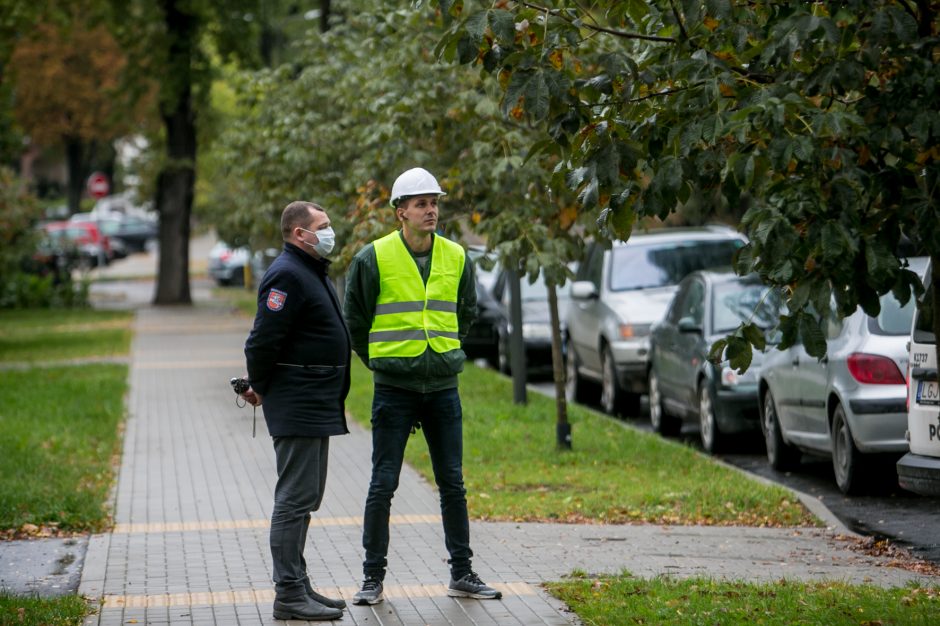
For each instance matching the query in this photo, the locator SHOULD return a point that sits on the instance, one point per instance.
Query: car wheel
(711, 436)
(846, 461)
(614, 400)
(781, 455)
(662, 423)
(574, 384)
(503, 361)
(610, 391)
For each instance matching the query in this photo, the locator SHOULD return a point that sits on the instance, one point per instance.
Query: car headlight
(730, 377)
(536, 331)
(632, 331)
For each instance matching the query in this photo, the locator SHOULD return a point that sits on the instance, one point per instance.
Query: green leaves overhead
(814, 123)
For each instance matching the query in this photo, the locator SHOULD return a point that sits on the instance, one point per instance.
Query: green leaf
(754, 335)
(621, 221)
(502, 25)
(812, 336)
(716, 352)
(789, 331)
(475, 26)
(739, 354)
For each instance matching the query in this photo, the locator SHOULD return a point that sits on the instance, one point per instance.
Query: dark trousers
(301, 478)
(394, 412)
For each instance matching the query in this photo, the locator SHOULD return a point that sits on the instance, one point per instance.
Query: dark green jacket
(431, 371)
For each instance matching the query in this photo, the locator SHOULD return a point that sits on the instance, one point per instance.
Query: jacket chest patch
(276, 299)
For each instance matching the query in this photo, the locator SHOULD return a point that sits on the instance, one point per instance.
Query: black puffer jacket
(298, 350)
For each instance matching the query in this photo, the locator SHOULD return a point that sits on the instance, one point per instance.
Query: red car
(92, 246)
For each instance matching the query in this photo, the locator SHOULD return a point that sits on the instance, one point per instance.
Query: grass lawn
(60, 430)
(58, 334)
(627, 600)
(614, 474)
(28, 611)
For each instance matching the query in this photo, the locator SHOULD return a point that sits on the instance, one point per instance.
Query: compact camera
(240, 385)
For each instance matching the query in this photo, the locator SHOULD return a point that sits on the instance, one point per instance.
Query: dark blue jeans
(394, 412)
(301, 479)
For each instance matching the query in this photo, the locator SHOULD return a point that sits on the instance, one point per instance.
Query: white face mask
(326, 239)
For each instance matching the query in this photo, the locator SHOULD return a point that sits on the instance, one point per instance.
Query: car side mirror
(689, 325)
(583, 290)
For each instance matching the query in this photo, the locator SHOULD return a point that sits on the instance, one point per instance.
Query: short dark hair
(295, 214)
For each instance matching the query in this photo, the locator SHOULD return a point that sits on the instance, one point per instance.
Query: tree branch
(603, 29)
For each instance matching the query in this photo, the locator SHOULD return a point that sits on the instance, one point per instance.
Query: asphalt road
(885, 512)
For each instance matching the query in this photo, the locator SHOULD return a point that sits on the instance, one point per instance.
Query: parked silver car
(851, 403)
(619, 293)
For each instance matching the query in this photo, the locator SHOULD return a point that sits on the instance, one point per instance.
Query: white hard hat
(414, 182)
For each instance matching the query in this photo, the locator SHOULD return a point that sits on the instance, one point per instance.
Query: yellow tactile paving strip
(266, 596)
(169, 527)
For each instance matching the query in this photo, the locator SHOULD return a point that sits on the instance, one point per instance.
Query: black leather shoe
(304, 608)
(338, 603)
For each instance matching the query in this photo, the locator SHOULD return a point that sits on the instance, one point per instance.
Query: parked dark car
(619, 292)
(684, 386)
(536, 323)
(482, 342)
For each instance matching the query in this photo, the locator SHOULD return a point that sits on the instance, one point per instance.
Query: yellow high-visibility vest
(409, 315)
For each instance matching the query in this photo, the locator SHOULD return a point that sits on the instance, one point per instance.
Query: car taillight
(907, 383)
(225, 256)
(873, 369)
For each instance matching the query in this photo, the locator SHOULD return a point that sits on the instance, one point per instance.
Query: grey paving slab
(194, 492)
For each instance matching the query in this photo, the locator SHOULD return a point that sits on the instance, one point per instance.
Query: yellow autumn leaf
(710, 23)
(556, 58)
(726, 90)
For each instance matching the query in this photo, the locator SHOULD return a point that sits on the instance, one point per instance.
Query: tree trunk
(324, 15)
(176, 181)
(562, 427)
(75, 157)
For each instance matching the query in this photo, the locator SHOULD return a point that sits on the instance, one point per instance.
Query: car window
(645, 266)
(675, 309)
(735, 302)
(894, 319)
(692, 303)
(595, 266)
(923, 324)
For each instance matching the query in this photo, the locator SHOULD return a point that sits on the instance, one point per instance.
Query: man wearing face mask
(298, 366)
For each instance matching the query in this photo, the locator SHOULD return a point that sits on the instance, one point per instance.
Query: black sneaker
(371, 592)
(470, 586)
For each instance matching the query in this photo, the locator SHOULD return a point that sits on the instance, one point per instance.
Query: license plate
(928, 392)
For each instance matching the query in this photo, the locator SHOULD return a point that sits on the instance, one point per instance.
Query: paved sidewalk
(194, 493)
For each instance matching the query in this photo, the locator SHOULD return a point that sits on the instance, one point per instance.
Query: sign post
(98, 186)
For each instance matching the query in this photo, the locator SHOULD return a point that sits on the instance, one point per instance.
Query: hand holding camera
(242, 387)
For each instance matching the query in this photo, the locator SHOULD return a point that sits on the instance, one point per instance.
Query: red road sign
(98, 186)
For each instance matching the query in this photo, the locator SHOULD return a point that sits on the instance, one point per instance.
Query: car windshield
(662, 265)
(735, 302)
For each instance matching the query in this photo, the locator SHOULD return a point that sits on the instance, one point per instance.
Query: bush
(24, 290)
(25, 280)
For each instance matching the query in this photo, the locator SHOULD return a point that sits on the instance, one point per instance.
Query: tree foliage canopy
(817, 121)
(362, 103)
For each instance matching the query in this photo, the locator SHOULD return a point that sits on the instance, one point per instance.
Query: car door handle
(795, 362)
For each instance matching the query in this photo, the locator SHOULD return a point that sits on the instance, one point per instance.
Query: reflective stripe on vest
(409, 315)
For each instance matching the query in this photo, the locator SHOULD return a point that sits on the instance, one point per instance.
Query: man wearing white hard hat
(410, 301)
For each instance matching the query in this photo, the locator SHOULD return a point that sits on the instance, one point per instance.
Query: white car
(919, 469)
(619, 292)
(227, 264)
